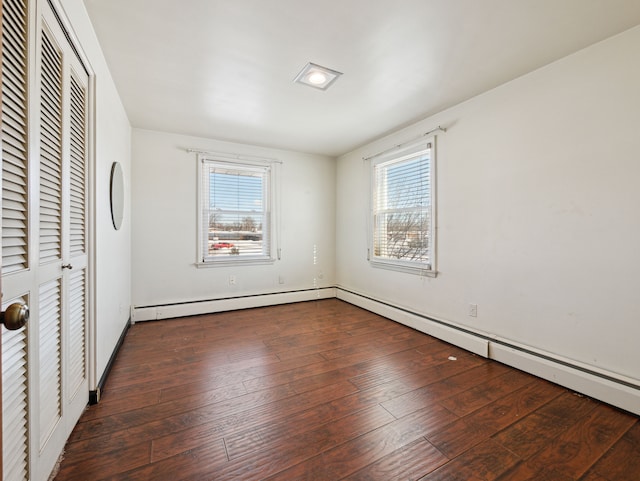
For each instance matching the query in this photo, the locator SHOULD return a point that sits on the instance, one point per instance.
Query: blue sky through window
(235, 192)
(405, 184)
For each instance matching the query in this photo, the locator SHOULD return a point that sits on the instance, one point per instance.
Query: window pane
(404, 184)
(236, 219)
(403, 235)
(402, 211)
(235, 191)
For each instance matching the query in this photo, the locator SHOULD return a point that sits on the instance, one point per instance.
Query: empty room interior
(293, 240)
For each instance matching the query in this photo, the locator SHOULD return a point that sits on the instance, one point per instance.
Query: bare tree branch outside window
(402, 209)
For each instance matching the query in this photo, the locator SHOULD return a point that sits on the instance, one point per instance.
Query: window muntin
(236, 213)
(403, 211)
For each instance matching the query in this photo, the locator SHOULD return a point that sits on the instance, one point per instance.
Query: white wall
(112, 248)
(165, 221)
(538, 222)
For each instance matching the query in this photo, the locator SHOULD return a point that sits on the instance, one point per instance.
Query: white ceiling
(224, 69)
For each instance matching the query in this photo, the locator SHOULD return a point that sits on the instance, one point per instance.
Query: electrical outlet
(232, 280)
(280, 279)
(473, 310)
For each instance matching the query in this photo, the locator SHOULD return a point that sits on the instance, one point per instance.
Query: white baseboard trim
(168, 311)
(603, 388)
(457, 337)
(602, 385)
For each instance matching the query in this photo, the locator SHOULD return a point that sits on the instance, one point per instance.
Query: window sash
(235, 212)
(402, 209)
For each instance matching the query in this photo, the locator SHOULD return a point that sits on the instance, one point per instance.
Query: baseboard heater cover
(210, 306)
(604, 386)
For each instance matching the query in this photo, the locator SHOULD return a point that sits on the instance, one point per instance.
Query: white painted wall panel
(165, 215)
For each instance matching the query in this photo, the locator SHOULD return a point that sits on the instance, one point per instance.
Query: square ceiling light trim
(317, 76)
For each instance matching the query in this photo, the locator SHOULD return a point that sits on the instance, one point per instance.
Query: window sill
(418, 270)
(235, 262)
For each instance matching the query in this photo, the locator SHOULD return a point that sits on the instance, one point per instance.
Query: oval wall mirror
(117, 195)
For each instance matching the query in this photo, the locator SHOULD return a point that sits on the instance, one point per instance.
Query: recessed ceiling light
(317, 76)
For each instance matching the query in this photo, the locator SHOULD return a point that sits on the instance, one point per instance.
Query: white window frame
(268, 168)
(400, 154)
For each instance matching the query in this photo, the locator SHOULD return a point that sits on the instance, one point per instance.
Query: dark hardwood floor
(324, 390)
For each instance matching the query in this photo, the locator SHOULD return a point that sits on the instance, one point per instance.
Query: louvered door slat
(77, 302)
(14, 136)
(15, 96)
(15, 133)
(14, 152)
(14, 405)
(77, 170)
(15, 175)
(50, 174)
(50, 152)
(50, 357)
(13, 75)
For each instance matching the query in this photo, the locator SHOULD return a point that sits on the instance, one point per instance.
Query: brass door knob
(15, 317)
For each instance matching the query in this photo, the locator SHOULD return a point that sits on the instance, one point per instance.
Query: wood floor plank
(477, 426)
(623, 458)
(507, 410)
(339, 407)
(266, 462)
(577, 449)
(183, 384)
(115, 405)
(357, 364)
(79, 468)
(342, 346)
(189, 465)
(205, 429)
(405, 338)
(393, 365)
(265, 435)
(355, 454)
(408, 463)
(485, 393)
(378, 373)
(457, 377)
(593, 476)
(208, 403)
(326, 391)
(485, 462)
(212, 423)
(534, 432)
(459, 436)
(526, 472)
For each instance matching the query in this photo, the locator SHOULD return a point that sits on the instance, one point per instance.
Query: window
(403, 209)
(236, 211)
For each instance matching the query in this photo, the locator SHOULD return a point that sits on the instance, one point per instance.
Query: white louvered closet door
(44, 241)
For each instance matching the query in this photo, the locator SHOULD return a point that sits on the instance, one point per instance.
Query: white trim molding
(210, 306)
